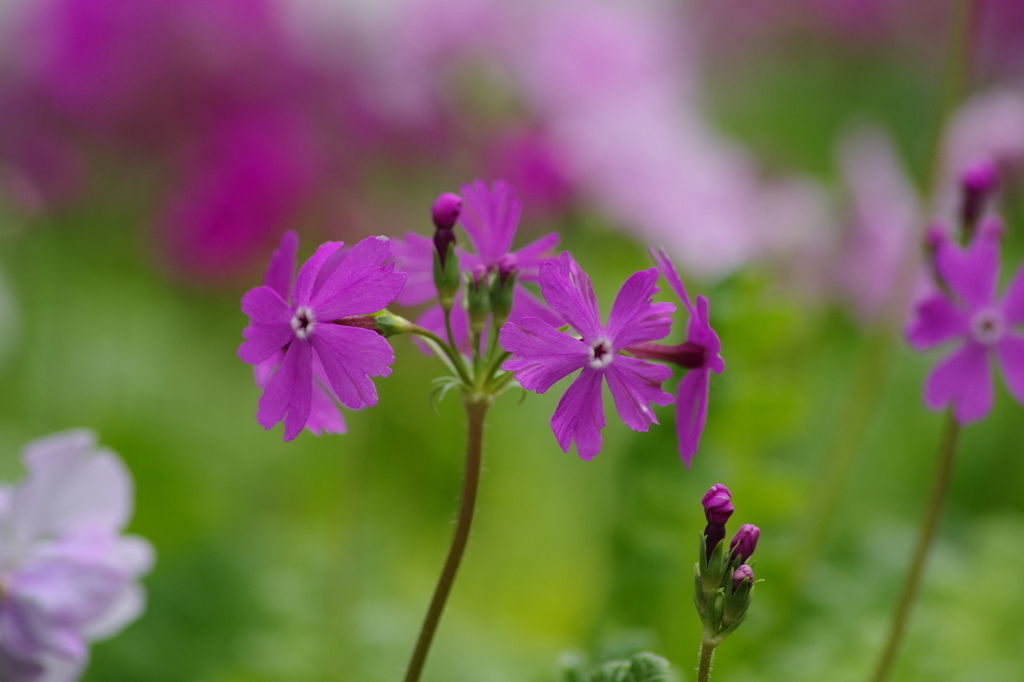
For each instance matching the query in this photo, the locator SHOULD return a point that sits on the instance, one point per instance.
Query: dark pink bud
(742, 573)
(446, 211)
(687, 354)
(744, 542)
(979, 181)
(717, 504)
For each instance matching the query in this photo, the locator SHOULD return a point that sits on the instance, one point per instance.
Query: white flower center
(988, 325)
(601, 354)
(302, 322)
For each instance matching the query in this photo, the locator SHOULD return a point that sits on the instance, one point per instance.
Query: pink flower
(542, 355)
(68, 574)
(306, 329)
(490, 217)
(969, 311)
(700, 353)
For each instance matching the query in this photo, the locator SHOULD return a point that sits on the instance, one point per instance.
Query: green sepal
(390, 324)
(446, 279)
(501, 298)
(478, 303)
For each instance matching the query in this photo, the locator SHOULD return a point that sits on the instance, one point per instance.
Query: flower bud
(744, 542)
(742, 573)
(445, 213)
(502, 290)
(478, 299)
(717, 503)
(978, 182)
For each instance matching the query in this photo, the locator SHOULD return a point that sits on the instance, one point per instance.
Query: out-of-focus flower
(532, 164)
(744, 542)
(68, 574)
(541, 355)
(744, 572)
(700, 354)
(303, 325)
(968, 311)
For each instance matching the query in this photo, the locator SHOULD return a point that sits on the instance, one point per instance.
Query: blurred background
(788, 153)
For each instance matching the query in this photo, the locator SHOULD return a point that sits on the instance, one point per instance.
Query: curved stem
(943, 474)
(453, 354)
(707, 653)
(476, 409)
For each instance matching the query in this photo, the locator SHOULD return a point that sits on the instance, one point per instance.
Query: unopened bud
(478, 300)
(390, 324)
(717, 503)
(744, 542)
(445, 213)
(742, 573)
(978, 181)
(503, 290)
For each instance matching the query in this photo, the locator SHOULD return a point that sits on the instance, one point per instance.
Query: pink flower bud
(744, 542)
(742, 573)
(446, 211)
(717, 504)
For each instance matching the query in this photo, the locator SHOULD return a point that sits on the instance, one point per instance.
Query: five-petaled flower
(542, 354)
(699, 354)
(303, 335)
(67, 574)
(969, 311)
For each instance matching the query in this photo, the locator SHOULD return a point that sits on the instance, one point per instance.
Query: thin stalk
(449, 350)
(943, 475)
(707, 653)
(476, 409)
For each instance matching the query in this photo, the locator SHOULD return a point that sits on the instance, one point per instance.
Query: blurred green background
(315, 560)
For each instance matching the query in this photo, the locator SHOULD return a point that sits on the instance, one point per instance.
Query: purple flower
(717, 503)
(542, 355)
(490, 217)
(970, 312)
(744, 542)
(301, 328)
(68, 574)
(742, 573)
(700, 354)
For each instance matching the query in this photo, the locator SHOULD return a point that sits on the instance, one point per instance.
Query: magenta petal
(281, 270)
(490, 218)
(964, 379)
(1013, 299)
(691, 412)
(972, 273)
(415, 257)
(580, 415)
(350, 356)
(634, 385)
(529, 258)
(262, 341)
(362, 284)
(265, 306)
(936, 320)
(634, 318)
(303, 290)
(667, 268)
(567, 289)
(541, 355)
(288, 391)
(525, 304)
(1010, 350)
(324, 415)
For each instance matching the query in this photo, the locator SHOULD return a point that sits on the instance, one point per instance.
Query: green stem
(943, 475)
(450, 351)
(707, 653)
(476, 409)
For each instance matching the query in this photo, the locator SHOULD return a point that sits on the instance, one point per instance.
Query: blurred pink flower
(68, 574)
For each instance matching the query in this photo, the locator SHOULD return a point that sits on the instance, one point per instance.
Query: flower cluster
(964, 308)
(723, 580)
(67, 574)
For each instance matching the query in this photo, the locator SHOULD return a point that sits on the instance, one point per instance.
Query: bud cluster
(723, 580)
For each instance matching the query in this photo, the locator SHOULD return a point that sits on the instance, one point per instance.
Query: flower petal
(1010, 350)
(490, 218)
(530, 257)
(414, 256)
(541, 355)
(972, 274)
(699, 331)
(691, 412)
(964, 379)
(668, 269)
(1013, 299)
(289, 391)
(634, 385)
(303, 290)
(262, 341)
(265, 306)
(936, 320)
(580, 415)
(567, 289)
(350, 356)
(362, 284)
(281, 270)
(525, 304)
(634, 318)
